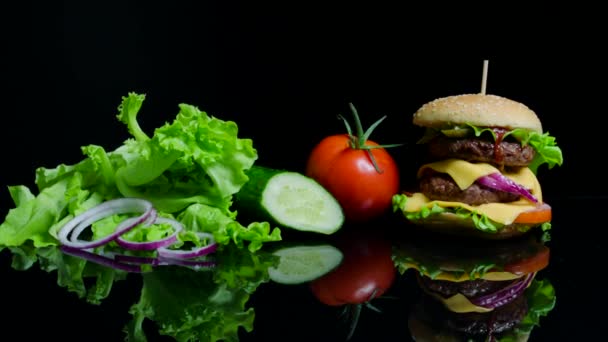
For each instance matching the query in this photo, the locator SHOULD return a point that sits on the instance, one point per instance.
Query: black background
(283, 73)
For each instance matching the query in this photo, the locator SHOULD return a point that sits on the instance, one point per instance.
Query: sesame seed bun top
(477, 109)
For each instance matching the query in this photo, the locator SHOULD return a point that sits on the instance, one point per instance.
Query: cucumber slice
(300, 264)
(289, 199)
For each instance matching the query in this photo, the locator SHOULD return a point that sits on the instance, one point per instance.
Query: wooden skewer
(484, 78)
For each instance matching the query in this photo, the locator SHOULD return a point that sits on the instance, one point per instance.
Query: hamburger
(428, 321)
(482, 155)
(473, 290)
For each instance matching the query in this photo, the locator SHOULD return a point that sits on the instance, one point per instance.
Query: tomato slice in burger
(539, 215)
(532, 264)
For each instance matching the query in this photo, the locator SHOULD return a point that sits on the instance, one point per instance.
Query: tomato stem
(354, 313)
(373, 308)
(352, 139)
(360, 135)
(358, 140)
(372, 127)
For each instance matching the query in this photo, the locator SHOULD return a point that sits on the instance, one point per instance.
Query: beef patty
(507, 153)
(494, 322)
(440, 186)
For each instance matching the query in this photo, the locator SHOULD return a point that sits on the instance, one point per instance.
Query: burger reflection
(473, 290)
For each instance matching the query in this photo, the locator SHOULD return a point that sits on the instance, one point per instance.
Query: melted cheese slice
(450, 276)
(459, 303)
(465, 174)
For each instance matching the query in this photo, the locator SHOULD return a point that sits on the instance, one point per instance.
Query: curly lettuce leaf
(201, 217)
(64, 192)
(194, 159)
(541, 300)
(547, 151)
(127, 114)
(185, 304)
(188, 306)
(201, 305)
(86, 280)
(481, 221)
(191, 166)
(405, 263)
(33, 216)
(433, 268)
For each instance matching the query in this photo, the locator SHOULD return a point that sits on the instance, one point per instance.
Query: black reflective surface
(291, 312)
(283, 78)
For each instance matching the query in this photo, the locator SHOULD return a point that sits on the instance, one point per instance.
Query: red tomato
(366, 272)
(540, 215)
(532, 264)
(350, 176)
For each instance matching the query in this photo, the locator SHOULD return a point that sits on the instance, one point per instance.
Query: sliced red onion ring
(99, 259)
(151, 245)
(211, 247)
(151, 218)
(499, 182)
(138, 260)
(196, 264)
(103, 210)
(142, 260)
(504, 295)
(146, 219)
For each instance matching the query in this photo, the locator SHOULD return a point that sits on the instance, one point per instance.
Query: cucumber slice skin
(312, 262)
(257, 200)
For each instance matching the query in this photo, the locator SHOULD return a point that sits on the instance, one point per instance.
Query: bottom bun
(449, 223)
